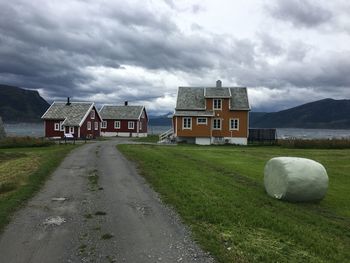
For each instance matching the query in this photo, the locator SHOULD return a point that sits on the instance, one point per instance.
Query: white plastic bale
(295, 179)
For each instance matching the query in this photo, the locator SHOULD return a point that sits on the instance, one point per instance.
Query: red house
(77, 119)
(125, 121)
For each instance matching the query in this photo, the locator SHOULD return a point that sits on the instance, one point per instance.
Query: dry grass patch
(16, 171)
(23, 171)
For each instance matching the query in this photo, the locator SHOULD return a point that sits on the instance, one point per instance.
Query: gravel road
(96, 208)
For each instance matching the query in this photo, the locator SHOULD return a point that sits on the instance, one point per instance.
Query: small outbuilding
(72, 119)
(124, 121)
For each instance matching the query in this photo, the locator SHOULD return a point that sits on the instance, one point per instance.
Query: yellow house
(209, 115)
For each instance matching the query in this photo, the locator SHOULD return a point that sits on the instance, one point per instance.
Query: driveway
(96, 208)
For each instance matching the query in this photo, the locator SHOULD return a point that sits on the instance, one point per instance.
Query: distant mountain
(21, 105)
(322, 114)
(162, 120)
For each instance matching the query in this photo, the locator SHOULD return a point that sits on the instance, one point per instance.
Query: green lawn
(219, 193)
(150, 138)
(22, 172)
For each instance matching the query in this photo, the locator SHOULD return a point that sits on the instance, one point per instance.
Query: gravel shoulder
(96, 208)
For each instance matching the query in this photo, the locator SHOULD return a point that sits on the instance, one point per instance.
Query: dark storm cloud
(304, 13)
(326, 73)
(269, 45)
(297, 51)
(323, 76)
(43, 45)
(89, 49)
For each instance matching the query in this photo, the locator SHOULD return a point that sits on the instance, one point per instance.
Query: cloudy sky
(286, 52)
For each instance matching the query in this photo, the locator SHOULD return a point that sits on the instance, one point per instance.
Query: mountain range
(22, 105)
(321, 114)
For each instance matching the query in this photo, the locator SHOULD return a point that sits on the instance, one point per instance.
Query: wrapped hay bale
(295, 179)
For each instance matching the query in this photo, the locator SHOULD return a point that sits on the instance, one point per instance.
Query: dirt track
(117, 219)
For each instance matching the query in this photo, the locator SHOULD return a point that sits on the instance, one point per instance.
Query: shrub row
(19, 142)
(315, 143)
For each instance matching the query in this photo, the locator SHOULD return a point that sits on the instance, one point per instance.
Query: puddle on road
(142, 208)
(55, 220)
(59, 199)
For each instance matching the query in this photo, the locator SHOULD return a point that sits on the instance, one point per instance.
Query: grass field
(150, 138)
(22, 173)
(219, 193)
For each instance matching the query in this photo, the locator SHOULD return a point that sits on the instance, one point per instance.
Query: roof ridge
(232, 87)
(74, 102)
(110, 105)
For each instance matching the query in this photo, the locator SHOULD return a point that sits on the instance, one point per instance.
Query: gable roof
(73, 114)
(121, 112)
(193, 98)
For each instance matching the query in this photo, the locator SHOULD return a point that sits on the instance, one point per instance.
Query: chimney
(68, 101)
(126, 103)
(218, 84)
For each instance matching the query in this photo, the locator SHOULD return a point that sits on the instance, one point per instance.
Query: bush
(315, 143)
(7, 187)
(19, 142)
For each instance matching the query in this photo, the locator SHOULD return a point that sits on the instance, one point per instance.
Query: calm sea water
(37, 130)
(25, 129)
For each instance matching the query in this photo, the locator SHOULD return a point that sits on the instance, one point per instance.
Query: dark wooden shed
(262, 135)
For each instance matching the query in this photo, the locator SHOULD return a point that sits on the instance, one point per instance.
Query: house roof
(121, 112)
(239, 99)
(73, 114)
(193, 98)
(217, 93)
(195, 113)
(190, 99)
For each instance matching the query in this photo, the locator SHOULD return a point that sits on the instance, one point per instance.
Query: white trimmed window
(117, 124)
(57, 126)
(130, 125)
(217, 104)
(234, 124)
(92, 114)
(187, 123)
(217, 124)
(96, 126)
(104, 125)
(89, 125)
(202, 121)
(71, 130)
